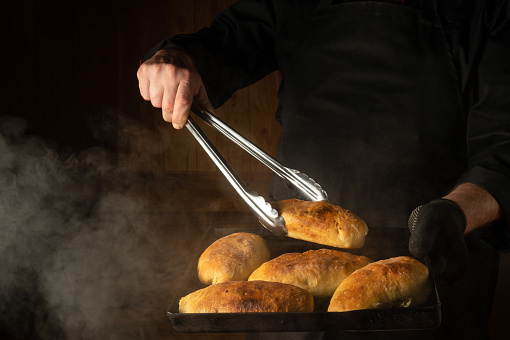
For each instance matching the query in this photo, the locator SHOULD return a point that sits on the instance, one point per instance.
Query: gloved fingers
(437, 231)
(423, 234)
(451, 265)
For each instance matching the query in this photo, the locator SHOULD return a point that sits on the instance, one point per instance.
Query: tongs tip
(305, 187)
(267, 215)
(302, 185)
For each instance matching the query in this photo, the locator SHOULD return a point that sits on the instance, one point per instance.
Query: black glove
(437, 231)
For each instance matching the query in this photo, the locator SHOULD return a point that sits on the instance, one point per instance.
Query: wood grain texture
(159, 147)
(137, 33)
(53, 56)
(264, 129)
(177, 149)
(204, 13)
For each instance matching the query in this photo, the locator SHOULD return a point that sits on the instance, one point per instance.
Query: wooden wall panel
(56, 51)
(264, 129)
(137, 34)
(204, 13)
(147, 142)
(250, 111)
(177, 149)
(240, 111)
(17, 87)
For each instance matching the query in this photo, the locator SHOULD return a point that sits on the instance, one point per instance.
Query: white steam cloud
(80, 256)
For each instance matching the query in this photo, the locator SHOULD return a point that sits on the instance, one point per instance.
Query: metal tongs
(301, 185)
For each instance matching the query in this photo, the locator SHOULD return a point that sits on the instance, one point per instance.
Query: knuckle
(169, 69)
(167, 107)
(156, 103)
(186, 74)
(167, 118)
(183, 99)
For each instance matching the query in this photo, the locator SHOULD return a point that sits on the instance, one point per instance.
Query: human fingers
(143, 82)
(156, 93)
(189, 91)
(163, 83)
(167, 105)
(203, 100)
(423, 232)
(183, 100)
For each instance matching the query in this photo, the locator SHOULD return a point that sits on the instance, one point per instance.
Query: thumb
(423, 233)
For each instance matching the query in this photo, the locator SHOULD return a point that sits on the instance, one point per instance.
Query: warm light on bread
(232, 258)
(317, 271)
(247, 297)
(322, 223)
(396, 282)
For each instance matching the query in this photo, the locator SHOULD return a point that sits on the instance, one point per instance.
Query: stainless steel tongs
(301, 185)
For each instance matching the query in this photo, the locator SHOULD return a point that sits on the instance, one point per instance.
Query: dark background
(69, 69)
(88, 250)
(61, 66)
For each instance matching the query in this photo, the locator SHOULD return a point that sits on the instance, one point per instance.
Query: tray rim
(279, 322)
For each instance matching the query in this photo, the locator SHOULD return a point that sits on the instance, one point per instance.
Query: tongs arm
(267, 216)
(302, 185)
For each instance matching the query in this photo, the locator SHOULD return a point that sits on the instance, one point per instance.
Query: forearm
(488, 126)
(478, 205)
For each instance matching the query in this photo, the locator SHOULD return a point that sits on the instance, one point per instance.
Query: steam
(80, 256)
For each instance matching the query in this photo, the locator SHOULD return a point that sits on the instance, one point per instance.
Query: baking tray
(381, 243)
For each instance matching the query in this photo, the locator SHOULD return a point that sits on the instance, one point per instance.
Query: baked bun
(396, 282)
(322, 222)
(317, 271)
(247, 297)
(232, 258)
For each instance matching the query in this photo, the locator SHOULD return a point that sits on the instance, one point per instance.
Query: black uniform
(386, 104)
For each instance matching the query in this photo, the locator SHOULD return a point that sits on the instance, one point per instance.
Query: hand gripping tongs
(301, 185)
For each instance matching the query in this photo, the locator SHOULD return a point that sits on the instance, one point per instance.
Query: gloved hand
(437, 231)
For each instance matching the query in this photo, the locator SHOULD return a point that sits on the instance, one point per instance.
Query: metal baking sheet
(381, 243)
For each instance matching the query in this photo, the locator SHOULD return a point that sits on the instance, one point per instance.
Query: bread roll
(232, 258)
(322, 223)
(396, 282)
(317, 271)
(247, 297)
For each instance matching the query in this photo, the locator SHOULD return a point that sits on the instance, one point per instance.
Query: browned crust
(247, 297)
(396, 282)
(318, 271)
(232, 258)
(322, 222)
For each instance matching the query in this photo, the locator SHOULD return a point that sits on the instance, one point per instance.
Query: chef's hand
(437, 231)
(170, 81)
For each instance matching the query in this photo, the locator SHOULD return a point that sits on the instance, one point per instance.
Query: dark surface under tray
(381, 243)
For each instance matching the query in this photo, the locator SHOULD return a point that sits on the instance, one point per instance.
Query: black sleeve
(235, 51)
(489, 119)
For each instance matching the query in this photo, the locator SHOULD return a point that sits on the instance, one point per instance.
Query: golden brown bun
(322, 223)
(246, 297)
(396, 282)
(232, 258)
(317, 271)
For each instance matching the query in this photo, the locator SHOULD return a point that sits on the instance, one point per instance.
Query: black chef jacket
(251, 39)
(383, 122)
